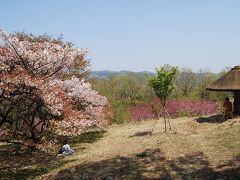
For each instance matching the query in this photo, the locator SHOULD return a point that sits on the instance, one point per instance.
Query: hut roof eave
(222, 89)
(228, 82)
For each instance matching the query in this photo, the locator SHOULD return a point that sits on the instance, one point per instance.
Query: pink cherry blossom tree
(41, 91)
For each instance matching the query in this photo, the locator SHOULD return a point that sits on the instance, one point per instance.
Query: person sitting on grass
(227, 106)
(66, 149)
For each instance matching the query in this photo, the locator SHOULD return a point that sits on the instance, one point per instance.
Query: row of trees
(127, 90)
(193, 85)
(122, 92)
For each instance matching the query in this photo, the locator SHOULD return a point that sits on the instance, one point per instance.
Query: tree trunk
(236, 102)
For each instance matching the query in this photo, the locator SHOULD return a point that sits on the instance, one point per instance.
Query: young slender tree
(163, 85)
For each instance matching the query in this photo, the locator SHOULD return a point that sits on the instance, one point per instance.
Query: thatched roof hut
(229, 82)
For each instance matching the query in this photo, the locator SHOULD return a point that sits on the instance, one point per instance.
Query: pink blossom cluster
(142, 111)
(95, 105)
(39, 57)
(176, 108)
(80, 91)
(192, 107)
(38, 65)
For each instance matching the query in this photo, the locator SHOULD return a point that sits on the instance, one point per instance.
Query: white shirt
(67, 150)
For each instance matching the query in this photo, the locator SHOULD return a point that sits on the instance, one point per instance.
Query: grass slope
(200, 148)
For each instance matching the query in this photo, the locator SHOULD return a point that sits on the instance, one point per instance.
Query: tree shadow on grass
(88, 137)
(150, 164)
(142, 133)
(17, 162)
(211, 119)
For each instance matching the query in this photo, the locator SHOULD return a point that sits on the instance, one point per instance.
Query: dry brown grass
(193, 149)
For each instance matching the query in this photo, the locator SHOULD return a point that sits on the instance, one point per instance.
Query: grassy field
(195, 148)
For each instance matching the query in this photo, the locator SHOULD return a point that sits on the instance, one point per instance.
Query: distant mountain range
(106, 73)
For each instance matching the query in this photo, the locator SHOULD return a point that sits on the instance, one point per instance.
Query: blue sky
(136, 35)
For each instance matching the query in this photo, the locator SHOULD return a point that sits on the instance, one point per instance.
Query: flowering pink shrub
(142, 111)
(176, 108)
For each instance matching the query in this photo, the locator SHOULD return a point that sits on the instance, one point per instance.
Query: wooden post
(236, 110)
(166, 118)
